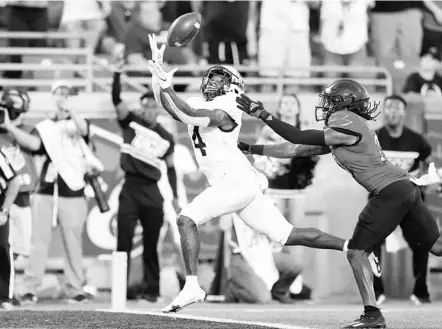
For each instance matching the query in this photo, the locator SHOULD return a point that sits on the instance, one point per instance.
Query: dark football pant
(6, 264)
(398, 204)
(141, 201)
(420, 270)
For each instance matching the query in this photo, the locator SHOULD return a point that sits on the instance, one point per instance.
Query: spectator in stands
(284, 40)
(25, 16)
(147, 145)
(395, 136)
(256, 273)
(344, 32)
(119, 21)
(396, 30)
(432, 24)
(427, 81)
(59, 200)
(149, 20)
(293, 173)
(224, 31)
(86, 17)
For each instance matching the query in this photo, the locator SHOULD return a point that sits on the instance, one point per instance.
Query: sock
(345, 248)
(371, 310)
(191, 281)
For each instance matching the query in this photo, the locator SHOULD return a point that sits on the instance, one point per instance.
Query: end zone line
(203, 318)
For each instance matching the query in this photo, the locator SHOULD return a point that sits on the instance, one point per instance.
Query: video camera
(15, 102)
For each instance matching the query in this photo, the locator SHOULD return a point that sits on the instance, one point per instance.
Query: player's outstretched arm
(179, 109)
(284, 150)
(326, 137)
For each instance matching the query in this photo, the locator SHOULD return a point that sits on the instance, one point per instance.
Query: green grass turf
(95, 320)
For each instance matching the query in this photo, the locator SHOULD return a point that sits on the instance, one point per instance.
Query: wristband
(256, 149)
(264, 115)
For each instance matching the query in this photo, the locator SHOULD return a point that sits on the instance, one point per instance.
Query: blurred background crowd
(268, 40)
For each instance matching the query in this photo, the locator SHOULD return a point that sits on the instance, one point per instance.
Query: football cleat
(418, 301)
(368, 321)
(186, 297)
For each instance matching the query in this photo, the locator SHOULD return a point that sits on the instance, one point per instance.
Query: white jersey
(216, 151)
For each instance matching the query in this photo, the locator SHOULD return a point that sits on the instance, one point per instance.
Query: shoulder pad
(342, 119)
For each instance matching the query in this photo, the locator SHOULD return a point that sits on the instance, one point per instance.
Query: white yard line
(203, 318)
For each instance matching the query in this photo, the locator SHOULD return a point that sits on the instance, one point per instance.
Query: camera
(93, 179)
(15, 102)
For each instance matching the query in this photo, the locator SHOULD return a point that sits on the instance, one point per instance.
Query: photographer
(62, 140)
(12, 162)
(146, 146)
(17, 102)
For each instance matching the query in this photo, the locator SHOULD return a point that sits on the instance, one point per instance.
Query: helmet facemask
(218, 81)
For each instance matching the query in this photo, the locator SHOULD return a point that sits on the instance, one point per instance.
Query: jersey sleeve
(347, 123)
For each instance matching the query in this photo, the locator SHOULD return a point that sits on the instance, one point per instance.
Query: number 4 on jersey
(198, 141)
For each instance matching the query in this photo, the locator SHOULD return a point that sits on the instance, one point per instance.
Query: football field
(304, 315)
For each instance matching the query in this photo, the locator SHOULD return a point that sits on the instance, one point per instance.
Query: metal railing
(55, 60)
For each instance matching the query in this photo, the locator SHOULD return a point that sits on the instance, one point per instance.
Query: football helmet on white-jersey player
(220, 80)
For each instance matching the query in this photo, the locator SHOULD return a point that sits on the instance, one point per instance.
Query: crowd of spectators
(274, 34)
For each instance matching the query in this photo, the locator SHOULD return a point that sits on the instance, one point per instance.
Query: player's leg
(262, 215)
(225, 197)
(379, 218)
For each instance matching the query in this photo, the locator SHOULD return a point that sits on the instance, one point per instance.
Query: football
(184, 29)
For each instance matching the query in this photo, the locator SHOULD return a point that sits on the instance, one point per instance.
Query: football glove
(255, 109)
(162, 78)
(157, 53)
(244, 147)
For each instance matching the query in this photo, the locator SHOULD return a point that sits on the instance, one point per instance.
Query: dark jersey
(409, 141)
(144, 148)
(365, 160)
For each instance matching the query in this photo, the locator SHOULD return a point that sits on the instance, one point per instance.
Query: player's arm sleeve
(293, 134)
(120, 107)
(288, 150)
(180, 109)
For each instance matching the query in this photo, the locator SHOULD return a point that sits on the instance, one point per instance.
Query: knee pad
(193, 213)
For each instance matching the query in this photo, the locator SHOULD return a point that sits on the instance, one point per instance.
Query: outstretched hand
(163, 78)
(253, 108)
(157, 53)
